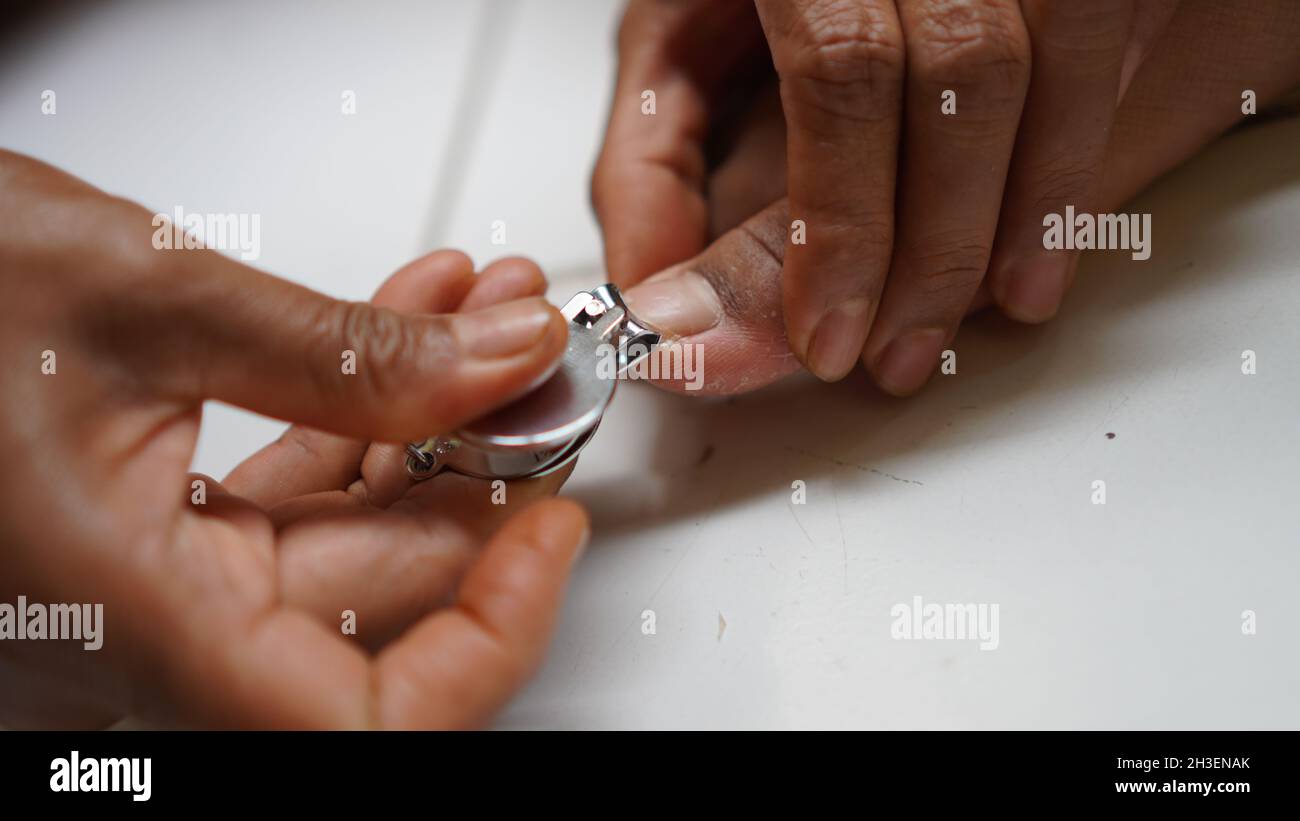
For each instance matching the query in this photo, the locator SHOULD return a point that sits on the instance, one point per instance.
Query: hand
(971, 188)
(228, 610)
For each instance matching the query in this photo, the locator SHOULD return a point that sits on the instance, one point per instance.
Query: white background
(1117, 616)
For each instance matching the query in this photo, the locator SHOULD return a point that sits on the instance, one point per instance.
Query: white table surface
(1123, 615)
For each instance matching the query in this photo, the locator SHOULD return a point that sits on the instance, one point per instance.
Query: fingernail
(503, 330)
(907, 362)
(837, 340)
(682, 304)
(1035, 287)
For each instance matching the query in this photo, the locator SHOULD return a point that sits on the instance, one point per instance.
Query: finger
(383, 468)
(384, 479)
(727, 302)
(840, 63)
(647, 188)
(752, 176)
(950, 185)
(300, 461)
(322, 503)
(391, 568)
(200, 326)
(305, 461)
(1061, 149)
(435, 283)
(309, 463)
(208, 497)
(459, 666)
(502, 281)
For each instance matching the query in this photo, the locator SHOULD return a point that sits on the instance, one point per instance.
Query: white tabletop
(769, 613)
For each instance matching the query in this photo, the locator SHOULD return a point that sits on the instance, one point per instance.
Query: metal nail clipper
(547, 428)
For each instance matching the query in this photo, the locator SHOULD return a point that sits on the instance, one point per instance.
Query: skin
(1057, 103)
(229, 613)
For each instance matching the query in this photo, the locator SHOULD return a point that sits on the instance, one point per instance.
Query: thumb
(728, 301)
(207, 327)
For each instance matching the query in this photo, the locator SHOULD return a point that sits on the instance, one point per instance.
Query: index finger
(648, 185)
(841, 67)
